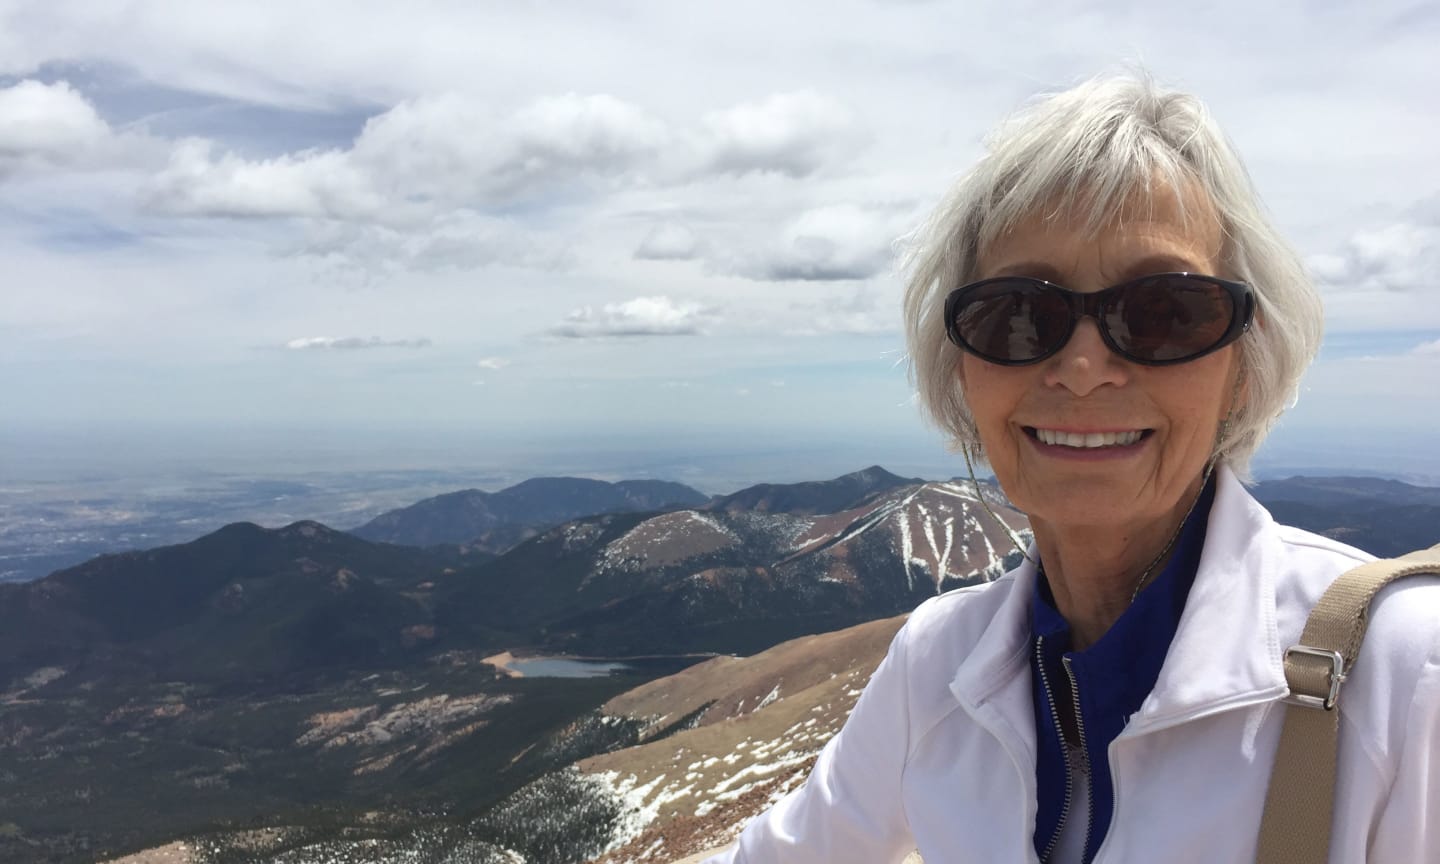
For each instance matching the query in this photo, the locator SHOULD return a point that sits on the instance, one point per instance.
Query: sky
(629, 226)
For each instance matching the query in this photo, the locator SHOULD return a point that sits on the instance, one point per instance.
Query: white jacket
(939, 752)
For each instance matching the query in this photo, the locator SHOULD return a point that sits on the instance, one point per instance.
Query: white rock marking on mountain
(954, 490)
(944, 570)
(907, 550)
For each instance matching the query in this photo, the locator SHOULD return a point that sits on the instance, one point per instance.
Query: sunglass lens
(1013, 321)
(1169, 318)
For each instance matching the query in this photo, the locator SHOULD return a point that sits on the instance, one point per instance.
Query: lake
(572, 667)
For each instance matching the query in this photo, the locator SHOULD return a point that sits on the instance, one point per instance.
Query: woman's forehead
(1161, 223)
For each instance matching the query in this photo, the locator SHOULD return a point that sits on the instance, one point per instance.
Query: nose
(1086, 362)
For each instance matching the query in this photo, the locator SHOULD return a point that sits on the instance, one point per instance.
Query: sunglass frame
(1094, 304)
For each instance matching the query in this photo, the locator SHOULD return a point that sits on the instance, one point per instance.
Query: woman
(1101, 311)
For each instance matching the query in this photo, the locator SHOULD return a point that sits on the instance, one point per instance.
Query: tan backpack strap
(1295, 828)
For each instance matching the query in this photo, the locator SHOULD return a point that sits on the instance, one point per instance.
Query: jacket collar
(1227, 649)
(1226, 652)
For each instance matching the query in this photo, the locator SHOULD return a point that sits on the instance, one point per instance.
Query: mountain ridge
(813, 497)
(732, 580)
(494, 521)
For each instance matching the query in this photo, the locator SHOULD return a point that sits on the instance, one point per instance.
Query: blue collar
(1113, 676)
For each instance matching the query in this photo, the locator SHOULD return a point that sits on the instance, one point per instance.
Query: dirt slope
(770, 716)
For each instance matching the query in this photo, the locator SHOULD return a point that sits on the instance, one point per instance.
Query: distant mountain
(1344, 491)
(495, 521)
(811, 498)
(734, 580)
(242, 603)
(247, 604)
(1383, 517)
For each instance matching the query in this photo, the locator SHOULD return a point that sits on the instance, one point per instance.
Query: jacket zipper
(1084, 748)
(1060, 735)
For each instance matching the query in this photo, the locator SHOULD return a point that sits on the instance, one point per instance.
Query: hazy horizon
(712, 461)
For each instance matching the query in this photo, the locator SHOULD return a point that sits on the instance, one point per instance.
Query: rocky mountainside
(656, 773)
(249, 604)
(733, 580)
(758, 724)
(749, 731)
(307, 672)
(241, 604)
(495, 521)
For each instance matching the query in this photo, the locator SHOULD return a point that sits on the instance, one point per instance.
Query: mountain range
(313, 676)
(253, 604)
(733, 579)
(495, 521)
(1383, 517)
(261, 671)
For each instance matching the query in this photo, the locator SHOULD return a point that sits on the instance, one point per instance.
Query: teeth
(1093, 439)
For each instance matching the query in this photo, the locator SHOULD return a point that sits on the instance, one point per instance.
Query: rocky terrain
(760, 724)
(733, 580)
(705, 750)
(331, 692)
(301, 695)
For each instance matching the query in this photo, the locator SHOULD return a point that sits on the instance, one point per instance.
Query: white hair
(1095, 150)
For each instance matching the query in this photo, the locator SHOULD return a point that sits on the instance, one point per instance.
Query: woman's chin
(1092, 498)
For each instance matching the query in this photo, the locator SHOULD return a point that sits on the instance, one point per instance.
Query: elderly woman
(1103, 313)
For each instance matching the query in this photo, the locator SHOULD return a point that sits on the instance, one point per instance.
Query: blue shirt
(1112, 677)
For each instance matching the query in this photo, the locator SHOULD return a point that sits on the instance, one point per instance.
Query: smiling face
(1086, 437)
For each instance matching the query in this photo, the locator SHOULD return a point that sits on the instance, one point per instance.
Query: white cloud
(642, 316)
(315, 184)
(866, 311)
(1399, 257)
(573, 135)
(1427, 348)
(452, 240)
(352, 343)
(839, 242)
(794, 134)
(493, 363)
(53, 126)
(419, 157)
(668, 241)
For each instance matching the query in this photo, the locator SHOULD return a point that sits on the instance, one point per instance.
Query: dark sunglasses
(1155, 320)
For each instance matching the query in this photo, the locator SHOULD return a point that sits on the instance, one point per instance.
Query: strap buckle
(1336, 677)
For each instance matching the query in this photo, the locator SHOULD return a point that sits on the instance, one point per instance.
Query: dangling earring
(1223, 431)
(1014, 538)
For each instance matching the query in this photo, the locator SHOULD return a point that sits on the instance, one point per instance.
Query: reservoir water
(565, 667)
(596, 667)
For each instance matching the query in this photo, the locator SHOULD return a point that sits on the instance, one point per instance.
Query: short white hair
(1094, 150)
